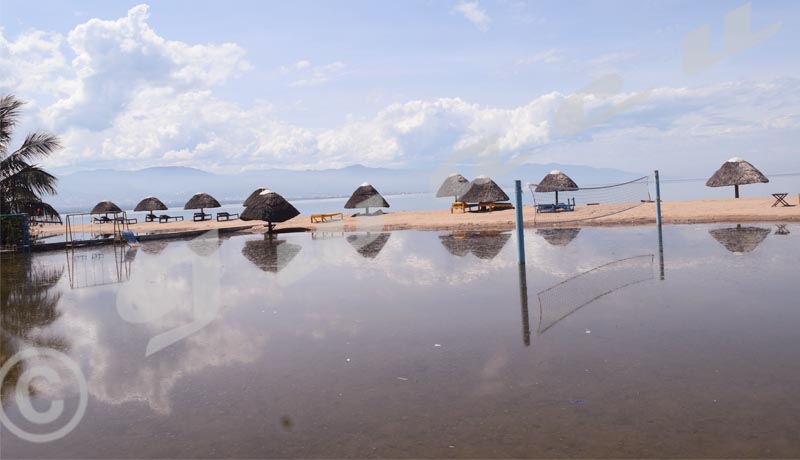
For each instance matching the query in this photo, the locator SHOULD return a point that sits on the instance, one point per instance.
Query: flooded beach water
(411, 345)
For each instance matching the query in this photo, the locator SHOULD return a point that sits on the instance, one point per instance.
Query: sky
(679, 86)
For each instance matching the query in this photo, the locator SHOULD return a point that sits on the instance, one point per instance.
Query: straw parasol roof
(269, 207)
(250, 199)
(369, 245)
(455, 185)
(482, 190)
(555, 181)
(270, 254)
(105, 207)
(558, 236)
(740, 239)
(150, 203)
(201, 201)
(736, 172)
(366, 196)
(456, 243)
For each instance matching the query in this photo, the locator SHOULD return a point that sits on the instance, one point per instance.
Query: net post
(658, 200)
(520, 234)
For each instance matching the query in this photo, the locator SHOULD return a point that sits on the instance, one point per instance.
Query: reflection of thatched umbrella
(253, 196)
(271, 208)
(153, 247)
(370, 244)
(151, 204)
(204, 245)
(556, 181)
(201, 201)
(456, 243)
(366, 196)
(558, 236)
(484, 190)
(740, 239)
(455, 185)
(105, 207)
(736, 172)
(486, 245)
(270, 254)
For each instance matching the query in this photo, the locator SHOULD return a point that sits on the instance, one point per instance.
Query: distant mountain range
(175, 185)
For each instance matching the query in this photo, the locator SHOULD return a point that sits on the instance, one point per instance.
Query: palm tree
(22, 184)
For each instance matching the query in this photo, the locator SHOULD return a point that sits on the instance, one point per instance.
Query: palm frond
(37, 145)
(9, 115)
(32, 178)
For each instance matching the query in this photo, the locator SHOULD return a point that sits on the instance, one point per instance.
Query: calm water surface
(413, 344)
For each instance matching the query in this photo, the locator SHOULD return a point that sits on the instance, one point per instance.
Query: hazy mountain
(174, 185)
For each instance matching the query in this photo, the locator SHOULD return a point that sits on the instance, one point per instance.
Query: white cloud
(473, 13)
(550, 56)
(304, 73)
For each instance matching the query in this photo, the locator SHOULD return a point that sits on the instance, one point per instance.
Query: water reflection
(565, 298)
(782, 230)
(484, 245)
(523, 300)
(95, 266)
(29, 308)
(558, 236)
(270, 254)
(369, 245)
(740, 239)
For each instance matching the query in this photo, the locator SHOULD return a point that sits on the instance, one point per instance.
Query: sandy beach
(677, 212)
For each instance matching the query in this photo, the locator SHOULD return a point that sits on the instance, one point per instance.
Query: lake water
(410, 344)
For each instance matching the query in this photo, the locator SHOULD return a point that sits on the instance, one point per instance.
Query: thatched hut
(366, 196)
(105, 207)
(201, 201)
(558, 236)
(556, 181)
(270, 254)
(271, 208)
(370, 244)
(150, 204)
(740, 240)
(736, 172)
(253, 196)
(455, 185)
(484, 190)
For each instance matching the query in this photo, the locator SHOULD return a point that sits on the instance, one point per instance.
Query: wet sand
(676, 212)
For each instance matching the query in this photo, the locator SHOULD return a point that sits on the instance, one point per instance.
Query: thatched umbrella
(487, 245)
(201, 201)
(151, 204)
(369, 245)
(558, 236)
(455, 185)
(105, 207)
(740, 239)
(556, 181)
(366, 196)
(270, 254)
(253, 196)
(271, 208)
(484, 190)
(456, 243)
(736, 172)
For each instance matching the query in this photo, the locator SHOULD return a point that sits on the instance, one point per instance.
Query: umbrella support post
(520, 233)
(736, 188)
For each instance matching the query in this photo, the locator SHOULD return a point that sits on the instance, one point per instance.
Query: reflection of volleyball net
(567, 297)
(594, 202)
(95, 268)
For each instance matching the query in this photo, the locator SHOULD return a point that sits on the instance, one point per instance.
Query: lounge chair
(132, 220)
(318, 218)
(150, 218)
(201, 216)
(458, 205)
(163, 218)
(227, 216)
(102, 220)
(495, 205)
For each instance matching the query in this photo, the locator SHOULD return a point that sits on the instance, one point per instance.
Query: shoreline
(726, 211)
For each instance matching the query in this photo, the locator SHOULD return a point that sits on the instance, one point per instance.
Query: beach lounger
(102, 220)
(458, 205)
(227, 216)
(493, 205)
(326, 217)
(150, 218)
(132, 220)
(163, 218)
(201, 216)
